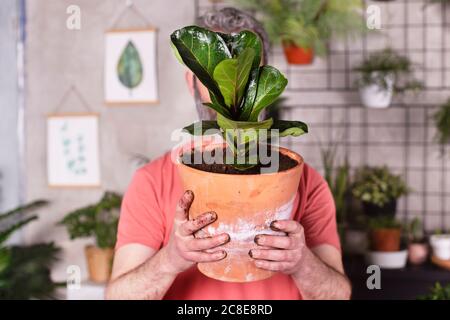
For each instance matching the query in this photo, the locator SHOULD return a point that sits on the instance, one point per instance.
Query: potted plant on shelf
(417, 246)
(246, 189)
(25, 270)
(304, 27)
(100, 221)
(440, 243)
(378, 190)
(382, 74)
(442, 121)
(385, 239)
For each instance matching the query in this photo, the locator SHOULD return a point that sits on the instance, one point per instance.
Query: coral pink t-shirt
(147, 216)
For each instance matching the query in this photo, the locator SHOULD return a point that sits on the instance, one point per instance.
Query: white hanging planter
(375, 96)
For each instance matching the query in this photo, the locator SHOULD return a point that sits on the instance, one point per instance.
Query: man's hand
(281, 253)
(183, 249)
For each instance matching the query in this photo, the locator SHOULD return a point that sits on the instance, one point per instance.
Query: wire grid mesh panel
(402, 137)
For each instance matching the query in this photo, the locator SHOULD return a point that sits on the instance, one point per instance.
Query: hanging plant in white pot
(383, 74)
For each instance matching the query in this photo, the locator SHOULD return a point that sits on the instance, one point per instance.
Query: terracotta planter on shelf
(297, 55)
(245, 205)
(99, 263)
(385, 240)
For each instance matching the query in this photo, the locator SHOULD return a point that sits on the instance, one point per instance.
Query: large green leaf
(232, 75)
(290, 128)
(201, 51)
(237, 44)
(204, 125)
(129, 68)
(271, 84)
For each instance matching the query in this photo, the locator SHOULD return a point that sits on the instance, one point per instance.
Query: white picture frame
(131, 78)
(73, 150)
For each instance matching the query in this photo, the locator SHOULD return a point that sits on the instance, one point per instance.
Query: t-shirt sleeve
(319, 218)
(141, 219)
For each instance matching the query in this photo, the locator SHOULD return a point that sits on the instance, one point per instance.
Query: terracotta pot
(245, 205)
(385, 240)
(297, 55)
(99, 263)
(417, 253)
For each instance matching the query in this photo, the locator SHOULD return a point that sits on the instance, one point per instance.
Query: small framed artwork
(130, 67)
(73, 150)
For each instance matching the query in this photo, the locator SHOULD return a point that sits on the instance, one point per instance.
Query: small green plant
(239, 87)
(99, 220)
(442, 121)
(308, 23)
(415, 231)
(381, 65)
(384, 222)
(338, 179)
(378, 186)
(438, 292)
(25, 270)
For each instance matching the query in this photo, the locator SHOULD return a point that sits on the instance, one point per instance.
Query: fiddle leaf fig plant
(229, 66)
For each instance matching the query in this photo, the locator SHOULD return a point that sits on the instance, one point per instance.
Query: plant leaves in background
(129, 68)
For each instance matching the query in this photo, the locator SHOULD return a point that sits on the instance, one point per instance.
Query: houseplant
(25, 270)
(438, 292)
(304, 27)
(442, 121)
(382, 74)
(385, 236)
(239, 181)
(417, 246)
(440, 244)
(100, 221)
(378, 189)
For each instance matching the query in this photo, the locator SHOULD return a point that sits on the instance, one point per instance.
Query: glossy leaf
(232, 75)
(271, 84)
(207, 127)
(238, 43)
(290, 128)
(201, 51)
(129, 68)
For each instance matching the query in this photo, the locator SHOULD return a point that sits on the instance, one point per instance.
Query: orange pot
(297, 55)
(245, 205)
(99, 263)
(385, 240)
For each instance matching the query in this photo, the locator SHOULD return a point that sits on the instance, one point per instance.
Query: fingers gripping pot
(245, 205)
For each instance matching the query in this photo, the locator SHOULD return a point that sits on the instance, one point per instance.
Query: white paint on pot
(441, 246)
(375, 96)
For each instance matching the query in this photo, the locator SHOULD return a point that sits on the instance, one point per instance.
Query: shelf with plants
(304, 28)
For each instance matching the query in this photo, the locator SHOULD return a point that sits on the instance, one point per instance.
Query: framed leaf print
(130, 67)
(73, 150)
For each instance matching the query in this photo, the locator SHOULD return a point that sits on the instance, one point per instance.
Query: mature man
(156, 250)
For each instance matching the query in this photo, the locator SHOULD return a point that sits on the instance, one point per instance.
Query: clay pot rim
(291, 154)
(93, 246)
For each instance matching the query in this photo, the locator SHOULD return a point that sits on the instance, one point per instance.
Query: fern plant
(99, 220)
(25, 270)
(308, 23)
(381, 64)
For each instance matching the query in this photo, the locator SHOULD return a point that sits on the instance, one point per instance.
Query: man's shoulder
(157, 170)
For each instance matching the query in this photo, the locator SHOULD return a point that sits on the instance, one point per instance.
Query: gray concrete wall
(9, 162)
(56, 58)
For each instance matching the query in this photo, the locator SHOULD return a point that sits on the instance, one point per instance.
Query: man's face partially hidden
(201, 95)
